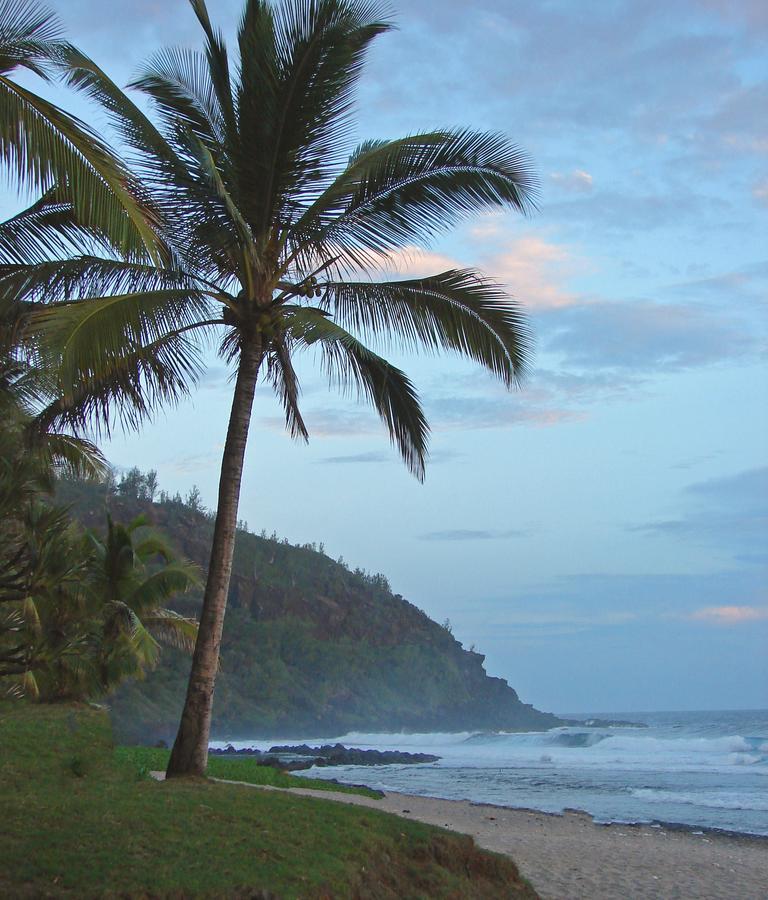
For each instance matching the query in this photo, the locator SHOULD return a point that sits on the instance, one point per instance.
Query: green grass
(244, 768)
(80, 820)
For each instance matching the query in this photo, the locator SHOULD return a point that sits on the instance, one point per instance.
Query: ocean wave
(571, 747)
(710, 799)
(402, 739)
(600, 747)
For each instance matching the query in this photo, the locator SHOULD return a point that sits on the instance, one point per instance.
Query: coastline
(569, 856)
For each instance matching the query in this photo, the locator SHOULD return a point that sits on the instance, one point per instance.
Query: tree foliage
(79, 612)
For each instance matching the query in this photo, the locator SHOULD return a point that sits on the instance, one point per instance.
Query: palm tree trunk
(190, 749)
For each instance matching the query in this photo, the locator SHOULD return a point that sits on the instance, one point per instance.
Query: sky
(600, 534)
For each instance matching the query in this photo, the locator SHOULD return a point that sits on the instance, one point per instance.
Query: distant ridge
(310, 648)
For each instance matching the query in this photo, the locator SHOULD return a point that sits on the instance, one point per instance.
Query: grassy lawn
(80, 820)
(244, 768)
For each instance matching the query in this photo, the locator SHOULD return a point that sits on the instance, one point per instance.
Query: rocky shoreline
(293, 758)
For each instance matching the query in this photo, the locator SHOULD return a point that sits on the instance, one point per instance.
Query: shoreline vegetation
(134, 837)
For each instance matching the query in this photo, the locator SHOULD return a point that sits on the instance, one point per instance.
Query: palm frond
(151, 545)
(300, 64)
(42, 145)
(179, 82)
(95, 336)
(285, 381)
(457, 310)
(243, 246)
(173, 629)
(158, 157)
(218, 64)
(143, 645)
(128, 389)
(349, 363)
(410, 190)
(45, 229)
(29, 685)
(82, 277)
(173, 578)
(30, 37)
(73, 455)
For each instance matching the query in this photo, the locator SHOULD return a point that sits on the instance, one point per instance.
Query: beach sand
(569, 857)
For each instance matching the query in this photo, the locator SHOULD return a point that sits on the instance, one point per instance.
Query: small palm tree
(129, 590)
(40, 556)
(88, 613)
(275, 223)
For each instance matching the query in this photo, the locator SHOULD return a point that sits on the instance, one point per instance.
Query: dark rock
(339, 755)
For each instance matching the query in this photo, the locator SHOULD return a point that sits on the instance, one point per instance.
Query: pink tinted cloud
(534, 270)
(413, 262)
(730, 615)
(760, 192)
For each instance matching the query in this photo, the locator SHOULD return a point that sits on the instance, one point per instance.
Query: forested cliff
(310, 648)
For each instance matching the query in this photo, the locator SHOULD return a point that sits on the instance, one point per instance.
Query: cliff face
(310, 649)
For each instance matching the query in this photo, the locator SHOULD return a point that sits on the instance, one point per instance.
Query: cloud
(692, 461)
(644, 336)
(436, 457)
(548, 399)
(575, 182)
(333, 422)
(751, 12)
(730, 513)
(563, 618)
(186, 465)
(535, 270)
(748, 282)
(467, 534)
(490, 411)
(730, 615)
(625, 211)
(760, 191)
(374, 456)
(652, 597)
(488, 226)
(414, 262)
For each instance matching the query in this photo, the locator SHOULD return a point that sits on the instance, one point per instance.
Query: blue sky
(600, 535)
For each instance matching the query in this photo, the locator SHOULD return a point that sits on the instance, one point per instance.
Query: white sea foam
(573, 747)
(699, 769)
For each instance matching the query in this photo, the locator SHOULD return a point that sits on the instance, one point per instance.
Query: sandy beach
(569, 857)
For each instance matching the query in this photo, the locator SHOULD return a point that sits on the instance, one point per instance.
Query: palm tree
(89, 612)
(129, 589)
(55, 154)
(277, 227)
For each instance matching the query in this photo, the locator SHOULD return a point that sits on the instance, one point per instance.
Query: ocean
(696, 769)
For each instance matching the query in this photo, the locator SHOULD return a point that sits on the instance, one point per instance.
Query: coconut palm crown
(275, 222)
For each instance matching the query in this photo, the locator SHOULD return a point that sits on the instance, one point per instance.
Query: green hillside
(310, 648)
